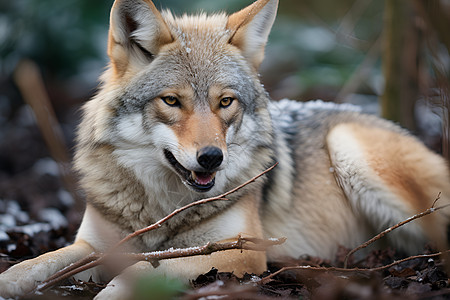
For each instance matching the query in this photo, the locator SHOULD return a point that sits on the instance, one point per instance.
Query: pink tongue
(203, 178)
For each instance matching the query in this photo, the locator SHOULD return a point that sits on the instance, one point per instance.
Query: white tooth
(194, 177)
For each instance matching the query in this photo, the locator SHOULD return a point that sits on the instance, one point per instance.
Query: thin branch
(72, 269)
(436, 200)
(380, 235)
(64, 274)
(347, 270)
(96, 259)
(240, 243)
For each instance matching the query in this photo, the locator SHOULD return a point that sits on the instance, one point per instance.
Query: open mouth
(199, 181)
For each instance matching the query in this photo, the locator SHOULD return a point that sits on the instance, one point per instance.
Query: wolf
(181, 115)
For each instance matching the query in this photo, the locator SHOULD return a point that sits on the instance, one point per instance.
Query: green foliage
(158, 287)
(62, 35)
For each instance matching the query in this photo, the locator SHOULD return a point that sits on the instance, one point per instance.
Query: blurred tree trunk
(400, 63)
(436, 15)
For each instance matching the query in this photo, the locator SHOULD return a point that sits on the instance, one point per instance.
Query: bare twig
(347, 270)
(380, 235)
(436, 200)
(240, 243)
(86, 263)
(96, 259)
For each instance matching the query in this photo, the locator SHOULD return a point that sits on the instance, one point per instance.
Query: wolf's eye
(171, 101)
(225, 102)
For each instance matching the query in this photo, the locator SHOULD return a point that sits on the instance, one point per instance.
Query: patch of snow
(12, 207)
(7, 221)
(3, 236)
(11, 247)
(65, 197)
(54, 217)
(12, 215)
(12, 210)
(46, 166)
(72, 288)
(22, 217)
(32, 229)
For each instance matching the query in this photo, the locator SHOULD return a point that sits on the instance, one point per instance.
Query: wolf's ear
(251, 27)
(137, 32)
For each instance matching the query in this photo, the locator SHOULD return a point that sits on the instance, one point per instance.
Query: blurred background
(391, 57)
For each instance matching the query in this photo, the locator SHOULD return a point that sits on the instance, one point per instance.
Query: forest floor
(35, 218)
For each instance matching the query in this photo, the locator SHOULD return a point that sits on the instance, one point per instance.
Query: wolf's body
(181, 115)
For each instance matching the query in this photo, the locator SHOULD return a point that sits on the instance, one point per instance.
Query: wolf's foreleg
(25, 276)
(186, 268)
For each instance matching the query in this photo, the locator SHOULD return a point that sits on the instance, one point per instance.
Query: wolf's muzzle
(199, 180)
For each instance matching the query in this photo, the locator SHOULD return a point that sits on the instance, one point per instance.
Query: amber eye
(171, 101)
(225, 102)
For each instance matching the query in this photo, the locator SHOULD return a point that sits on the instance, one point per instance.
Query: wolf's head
(182, 97)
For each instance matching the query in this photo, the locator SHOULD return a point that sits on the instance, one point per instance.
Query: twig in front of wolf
(345, 269)
(348, 270)
(432, 209)
(95, 259)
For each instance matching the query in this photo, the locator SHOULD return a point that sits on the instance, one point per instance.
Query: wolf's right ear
(137, 32)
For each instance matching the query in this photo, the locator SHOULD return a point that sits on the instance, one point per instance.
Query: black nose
(210, 157)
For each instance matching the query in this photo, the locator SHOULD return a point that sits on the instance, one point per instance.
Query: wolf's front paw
(13, 284)
(11, 289)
